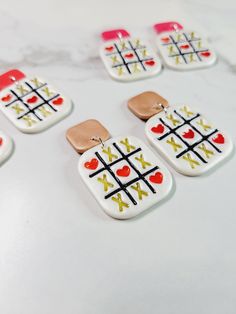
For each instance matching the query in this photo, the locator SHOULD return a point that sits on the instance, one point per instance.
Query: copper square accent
(146, 105)
(83, 136)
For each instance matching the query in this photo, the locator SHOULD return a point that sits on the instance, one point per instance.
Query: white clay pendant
(184, 137)
(122, 173)
(182, 49)
(30, 103)
(127, 58)
(6, 147)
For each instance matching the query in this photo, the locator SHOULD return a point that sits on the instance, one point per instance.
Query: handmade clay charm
(127, 58)
(183, 49)
(6, 147)
(31, 103)
(182, 135)
(122, 173)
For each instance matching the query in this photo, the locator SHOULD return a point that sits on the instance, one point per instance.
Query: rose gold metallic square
(147, 104)
(86, 135)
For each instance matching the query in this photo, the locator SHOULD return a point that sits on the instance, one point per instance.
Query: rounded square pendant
(183, 49)
(125, 176)
(127, 58)
(187, 139)
(6, 147)
(31, 103)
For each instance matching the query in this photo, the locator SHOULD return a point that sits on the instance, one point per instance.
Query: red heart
(123, 172)
(189, 134)
(205, 53)
(32, 100)
(92, 164)
(165, 39)
(150, 62)
(109, 48)
(1, 141)
(129, 55)
(184, 46)
(158, 129)
(58, 101)
(219, 139)
(156, 178)
(7, 98)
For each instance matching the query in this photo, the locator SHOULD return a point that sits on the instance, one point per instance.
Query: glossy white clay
(33, 105)
(129, 59)
(124, 172)
(6, 147)
(186, 139)
(184, 50)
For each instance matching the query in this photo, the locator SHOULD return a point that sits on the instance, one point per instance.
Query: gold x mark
(136, 67)
(44, 111)
(191, 58)
(18, 109)
(120, 202)
(207, 152)
(172, 119)
(29, 120)
(177, 60)
(105, 182)
(128, 146)
(193, 163)
(22, 89)
(109, 154)
(186, 110)
(137, 43)
(204, 125)
(36, 82)
(120, 71)
(144, 163)
(114, 59)
(140, 192)
(174, 144)
(47, 91)
(123, 45)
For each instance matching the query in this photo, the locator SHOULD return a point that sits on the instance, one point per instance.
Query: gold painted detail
(105, 182)
(127, 145)
(120, 202)
(140, 192)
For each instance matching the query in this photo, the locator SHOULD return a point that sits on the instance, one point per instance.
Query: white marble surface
(59, 253)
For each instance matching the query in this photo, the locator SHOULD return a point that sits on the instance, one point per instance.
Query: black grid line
(189, 147)
(123, 186)
(115, 162)
(29, 109)
(183, 54)
(126, 64)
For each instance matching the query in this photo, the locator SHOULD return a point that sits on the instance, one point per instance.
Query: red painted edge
(5, 79)
(166, 27)
(113, 34)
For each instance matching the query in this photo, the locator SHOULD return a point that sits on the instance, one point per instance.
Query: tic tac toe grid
(190, 43)
(24, 89)
(190, 148)
(121, 186)
(129, 53)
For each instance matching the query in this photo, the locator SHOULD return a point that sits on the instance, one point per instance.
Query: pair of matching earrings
(127, 58)
(125, 176)
(31, 104)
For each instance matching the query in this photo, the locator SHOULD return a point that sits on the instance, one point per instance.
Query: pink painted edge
(113, 34)
(5, 79)
(166, 27)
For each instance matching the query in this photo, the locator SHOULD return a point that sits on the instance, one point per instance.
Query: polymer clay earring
(184, 137)
(183, 49)
(122, 173)
(127, 58)
(31, 103)
(6, 147)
